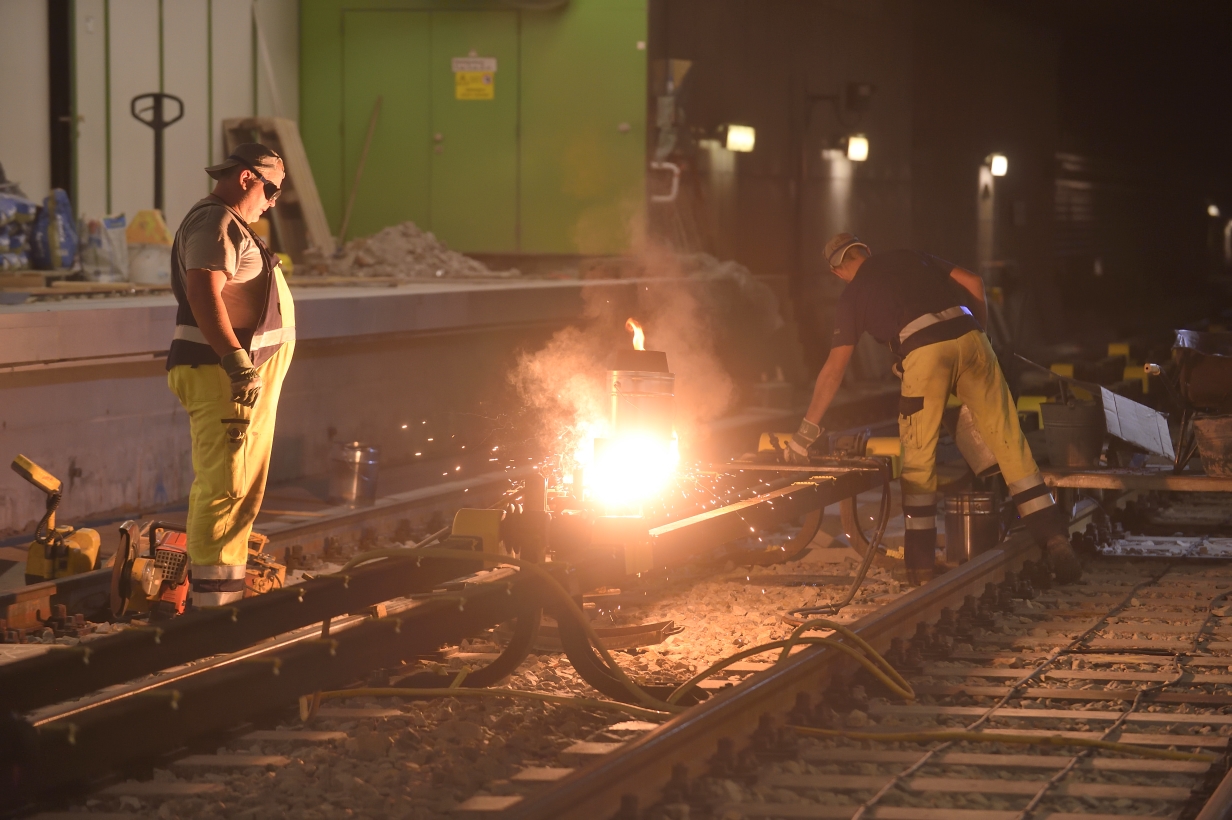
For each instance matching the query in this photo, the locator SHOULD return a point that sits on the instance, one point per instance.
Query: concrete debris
(404, 251)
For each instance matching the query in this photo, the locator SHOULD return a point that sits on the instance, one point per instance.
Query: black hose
(43, 533)
(870, 554)
(525, 630)
(525, 626)
(592, 669)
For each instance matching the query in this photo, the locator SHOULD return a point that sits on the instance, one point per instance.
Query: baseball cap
(838, 245)
(246, 155)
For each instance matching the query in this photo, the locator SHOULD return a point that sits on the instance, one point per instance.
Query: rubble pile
(402, 251)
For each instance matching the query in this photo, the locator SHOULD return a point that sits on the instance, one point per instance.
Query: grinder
(156, 581)
(56, 551)
(155, 578)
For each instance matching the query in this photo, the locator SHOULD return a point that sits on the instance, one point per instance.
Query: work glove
(245, 379)
(798, 445)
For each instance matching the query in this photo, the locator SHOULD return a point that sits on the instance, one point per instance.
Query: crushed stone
(403, 251)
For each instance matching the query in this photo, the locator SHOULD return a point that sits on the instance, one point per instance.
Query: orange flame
(639, 336)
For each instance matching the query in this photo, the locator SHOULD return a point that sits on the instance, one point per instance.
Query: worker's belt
(928, 320)
(270, 338)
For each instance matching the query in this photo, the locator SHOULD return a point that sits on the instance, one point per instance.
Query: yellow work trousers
(230, 455)
(967, 367)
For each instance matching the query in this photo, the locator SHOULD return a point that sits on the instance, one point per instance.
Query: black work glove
(245, 379)
(798, 447)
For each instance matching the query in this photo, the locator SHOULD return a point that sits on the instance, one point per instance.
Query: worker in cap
(234, 337)
(914, 303)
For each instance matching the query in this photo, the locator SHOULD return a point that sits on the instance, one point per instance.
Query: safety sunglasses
(271, 190)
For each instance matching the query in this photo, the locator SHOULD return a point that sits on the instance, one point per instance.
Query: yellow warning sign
(474, 85)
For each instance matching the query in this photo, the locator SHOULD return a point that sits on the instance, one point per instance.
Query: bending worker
(234, 336)
(909, 301)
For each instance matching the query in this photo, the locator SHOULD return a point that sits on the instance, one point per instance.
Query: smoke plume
(565, 382)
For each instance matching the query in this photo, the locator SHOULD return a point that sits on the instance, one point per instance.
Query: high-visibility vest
(189, 346)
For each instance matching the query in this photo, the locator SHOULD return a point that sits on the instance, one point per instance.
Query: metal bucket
(971, 526)
(642, 402)
(352, 473)
(1075, 433)
(1214, 435)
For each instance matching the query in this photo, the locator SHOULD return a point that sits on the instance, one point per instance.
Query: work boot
(1064, 563)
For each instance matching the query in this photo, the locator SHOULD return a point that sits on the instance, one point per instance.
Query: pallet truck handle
(156, 121)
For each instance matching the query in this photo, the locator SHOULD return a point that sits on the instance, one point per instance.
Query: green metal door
(475, 130)
(387, 54)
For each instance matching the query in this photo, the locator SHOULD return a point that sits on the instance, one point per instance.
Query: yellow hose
(993, 737)
(567, 700)
(825, 623)
(903, 690)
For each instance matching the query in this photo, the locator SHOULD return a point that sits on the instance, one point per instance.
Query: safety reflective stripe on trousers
(202, 599)
(929, 319)
(919, 499)
(270, 338)
(1025, 483)
(203, 571)
(217, 584)
(1034, 505)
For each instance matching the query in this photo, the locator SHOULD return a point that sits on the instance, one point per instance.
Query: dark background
(1114, 117)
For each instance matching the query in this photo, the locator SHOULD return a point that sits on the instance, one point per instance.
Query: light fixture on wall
(1212, 211)
(857, 148)
(998, 165)
(740, 138)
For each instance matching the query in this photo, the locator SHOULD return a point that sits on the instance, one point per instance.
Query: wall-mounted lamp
(1212, 211)
(857, 148)
(740, 138)
(998, 165)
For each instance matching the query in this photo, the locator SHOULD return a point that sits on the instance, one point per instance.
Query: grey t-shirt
(214, 239)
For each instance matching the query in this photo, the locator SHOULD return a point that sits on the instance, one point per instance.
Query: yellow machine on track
(56, 551)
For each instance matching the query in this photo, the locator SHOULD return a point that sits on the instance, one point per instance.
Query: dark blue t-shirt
(892, 289)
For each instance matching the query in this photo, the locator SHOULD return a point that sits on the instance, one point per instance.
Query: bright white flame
(857, 148)
(632, 470)
(741, 137)
(639, 336)
(998, 165)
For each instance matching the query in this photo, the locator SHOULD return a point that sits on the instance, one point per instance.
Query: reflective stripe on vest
(928, 320)
(270, 338)
(188, 345)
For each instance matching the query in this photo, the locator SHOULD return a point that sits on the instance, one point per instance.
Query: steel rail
(88, 744)
(333, 626)
(89, 592)
(636, 774)
(815, 489)
(1219, 805)
(75, 742)
(71, 672)
(68, 672)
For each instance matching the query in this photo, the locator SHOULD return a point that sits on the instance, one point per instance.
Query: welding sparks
(639, 336)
